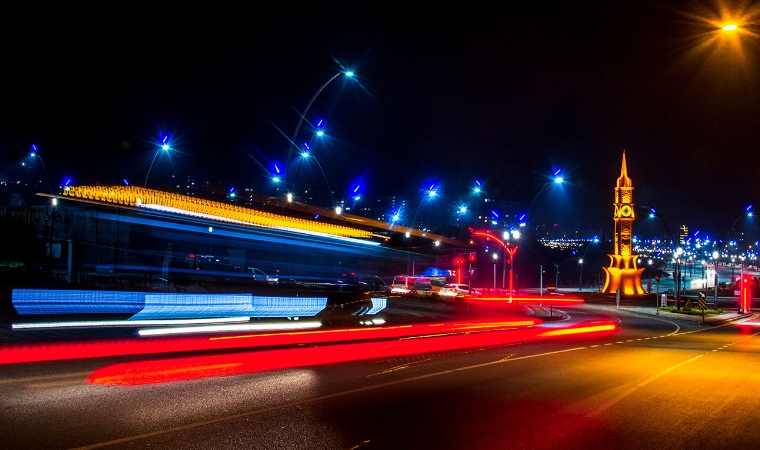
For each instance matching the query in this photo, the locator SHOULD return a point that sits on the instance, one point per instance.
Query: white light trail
(124, 323)
(284, 326)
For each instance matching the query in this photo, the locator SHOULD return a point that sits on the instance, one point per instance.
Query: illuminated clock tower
(623, 272)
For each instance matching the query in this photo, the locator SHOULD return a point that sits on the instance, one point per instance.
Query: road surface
(652, 383)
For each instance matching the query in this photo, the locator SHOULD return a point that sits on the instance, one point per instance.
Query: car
(402, 284)
(259, 275)
(426, 287)
(457, 289)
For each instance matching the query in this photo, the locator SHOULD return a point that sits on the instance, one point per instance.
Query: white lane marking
(344, 393)
(631, 390)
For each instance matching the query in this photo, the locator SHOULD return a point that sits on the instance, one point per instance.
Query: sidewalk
(712, 319)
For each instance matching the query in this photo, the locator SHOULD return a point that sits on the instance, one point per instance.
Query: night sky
(443, 95)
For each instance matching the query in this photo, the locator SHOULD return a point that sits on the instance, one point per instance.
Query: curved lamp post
(307, 148)
(556, 273)
(495, 257)
(303, 114)
(676, 259)
(163, 147)
(47, 177)
(556, 179)
(747, 213)
(430, 194)
(305, 155)
(580, 261)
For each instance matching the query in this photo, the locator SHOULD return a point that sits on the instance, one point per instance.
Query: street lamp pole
(165, 147)
(715, 256)
(556, 274)
(677, 261)
(47, 177)
(495, 257)
(556, 178)
(430, 194)
(303, 115)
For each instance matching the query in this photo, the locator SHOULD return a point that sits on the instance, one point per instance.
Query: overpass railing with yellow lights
(184, 204)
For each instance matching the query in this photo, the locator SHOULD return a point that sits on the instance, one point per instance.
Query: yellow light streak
(143, 197)
(568, 331)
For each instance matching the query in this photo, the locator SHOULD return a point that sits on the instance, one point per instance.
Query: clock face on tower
(624, 211)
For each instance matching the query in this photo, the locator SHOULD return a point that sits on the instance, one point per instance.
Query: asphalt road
(654, 383)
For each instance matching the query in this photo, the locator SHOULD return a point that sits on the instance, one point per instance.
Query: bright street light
(556, 179)
(430, 194)
(35, 154)
(163, 147)
(348, 74)
(495, 257)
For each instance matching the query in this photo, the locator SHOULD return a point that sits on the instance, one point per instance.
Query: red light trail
(54, 351)
(177, 369)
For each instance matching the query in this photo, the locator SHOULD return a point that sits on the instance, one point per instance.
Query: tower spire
(623, 275)
(624, 181)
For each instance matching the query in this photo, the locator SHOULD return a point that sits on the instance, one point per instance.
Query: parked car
(402, 284)
(456, 289)
(259, 275)
(427, 287)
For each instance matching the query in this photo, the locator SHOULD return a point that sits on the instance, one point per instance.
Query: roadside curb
(544, 313)
(697, 320)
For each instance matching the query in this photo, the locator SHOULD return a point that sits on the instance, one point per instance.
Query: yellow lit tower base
(623, 273)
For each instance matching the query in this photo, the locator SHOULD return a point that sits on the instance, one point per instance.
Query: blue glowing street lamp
(430, 194)
(165, 147)
(306, 152)
(556, 178)
(35, 154)
(306, 155)
(747, 213)
(348, 74)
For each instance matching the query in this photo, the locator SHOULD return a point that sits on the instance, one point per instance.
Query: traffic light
(657, 278)
(473, 257)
